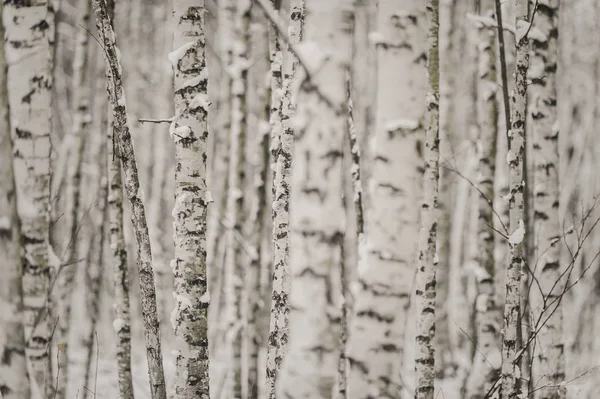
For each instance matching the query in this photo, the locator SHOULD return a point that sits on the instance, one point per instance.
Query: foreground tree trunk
(122, 142)
(549, 362)
(317, 220)
(29, 58)
(282, 157)
(511, 373)
(14, 381)
(376, 346)
(190, 134)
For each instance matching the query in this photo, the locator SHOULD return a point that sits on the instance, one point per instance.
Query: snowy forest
(299, 199)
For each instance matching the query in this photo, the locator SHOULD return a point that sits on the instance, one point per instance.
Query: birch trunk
(549, 363)
(190, 134)
(425, 360)
(29, 60)
(511, 373)
(238, 63)
(279, 318)
(487, 315)
(317, 220)
(122, 140)
(76, 138)
(376, 346)
(14, 381)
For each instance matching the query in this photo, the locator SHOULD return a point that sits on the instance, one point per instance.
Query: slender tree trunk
(487, 314)
(29, 59)
(279, 319)
(14, 381)
(190, 134)
(511, 373)
(425, 360)
(376, 346)
(317, 219)
(122, 141)
(549, 362)
(76, 138)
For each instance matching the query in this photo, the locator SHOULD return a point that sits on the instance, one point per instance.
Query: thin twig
(503, 73)
(167, 120)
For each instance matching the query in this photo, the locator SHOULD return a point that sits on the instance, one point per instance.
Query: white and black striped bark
(122, 142)
(28, 34)
(317, 219)
(190, 134)
(14, 381)
(511, 373)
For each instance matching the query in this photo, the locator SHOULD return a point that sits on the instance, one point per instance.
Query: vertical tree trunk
(279, 319)
(76, 145)
(549, 362)
(317, 219)
(425, 360)
(376, 347)
(190, 134)
(29, 59)
(122, 141)
(487, 315)
(511, 373)
(14, 381)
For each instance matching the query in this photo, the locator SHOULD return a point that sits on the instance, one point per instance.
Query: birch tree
(190, 134)
(14, 382)
(29, 59)
(282, 157)
(317, 219)
(515, 159)
(549, 362)
(376, 346)
(487, 315)
(122, 141)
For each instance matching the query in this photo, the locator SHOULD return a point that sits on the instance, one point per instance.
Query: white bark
(279, 319)
(317, 221)
(27, 38)
(511, 373)
(376, 347)
(14, 381)
(122, 141)
(549, 361)
(192, 197)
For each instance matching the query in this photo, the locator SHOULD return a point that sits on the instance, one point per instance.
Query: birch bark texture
(190, 134)
(28, 55)
(282, 157)
(427, 261)
(511, 373)
(487, 314)
(376, 345)
(316, 218)
(549, 362)
(14, 380)
(122, 142)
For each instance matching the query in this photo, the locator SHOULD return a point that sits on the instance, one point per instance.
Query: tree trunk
(122, 141)
(317, 219)
(282, 157)
(29, 59)
(14, 381)
(549, 362)
(190, 134)
(376, 347)
(511, 373)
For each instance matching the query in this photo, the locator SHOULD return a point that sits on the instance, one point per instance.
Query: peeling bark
(190, 316)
